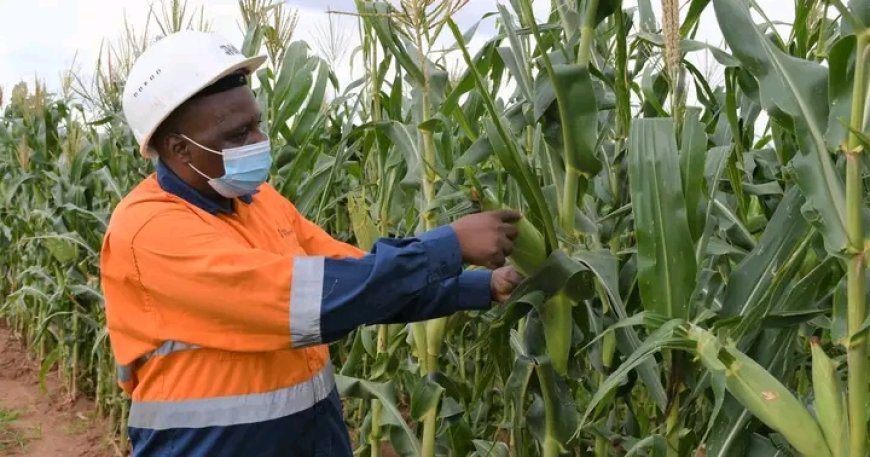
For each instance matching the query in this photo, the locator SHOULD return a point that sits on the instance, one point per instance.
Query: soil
(48, 423)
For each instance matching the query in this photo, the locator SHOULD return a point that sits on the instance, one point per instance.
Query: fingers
(514, 277)
(507, 215)
(497, 261)
(510, 231)
(505, 246)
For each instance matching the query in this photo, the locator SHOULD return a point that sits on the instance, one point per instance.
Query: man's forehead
(231, 106)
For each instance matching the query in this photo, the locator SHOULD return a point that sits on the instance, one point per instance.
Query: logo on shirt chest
(285, 233)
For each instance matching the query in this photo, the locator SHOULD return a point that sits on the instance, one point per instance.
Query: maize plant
(693, 248)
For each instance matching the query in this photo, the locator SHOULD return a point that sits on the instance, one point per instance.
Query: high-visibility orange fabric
(174, 272)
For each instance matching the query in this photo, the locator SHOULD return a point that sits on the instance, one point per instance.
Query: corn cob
(528, 255)
(829, 401)
(762, 394)
(529, 250)
(557, 321)
(765, 397)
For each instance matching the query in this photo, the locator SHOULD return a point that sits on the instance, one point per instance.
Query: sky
(44, 38)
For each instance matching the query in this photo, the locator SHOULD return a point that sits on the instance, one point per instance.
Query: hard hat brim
(250, 64)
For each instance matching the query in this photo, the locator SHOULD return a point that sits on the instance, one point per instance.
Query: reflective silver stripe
(169, 347)
(125, 373)
(306, 295)
(232, 410)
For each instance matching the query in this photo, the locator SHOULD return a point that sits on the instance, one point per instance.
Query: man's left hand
(504, 281)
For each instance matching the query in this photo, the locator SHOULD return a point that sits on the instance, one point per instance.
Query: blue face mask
(245, 168)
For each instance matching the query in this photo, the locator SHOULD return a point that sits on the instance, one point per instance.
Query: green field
(694, 246)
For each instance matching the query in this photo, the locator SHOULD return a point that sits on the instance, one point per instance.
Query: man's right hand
(486, 239)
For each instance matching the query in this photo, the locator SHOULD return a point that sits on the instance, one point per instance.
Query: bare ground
(44, 424)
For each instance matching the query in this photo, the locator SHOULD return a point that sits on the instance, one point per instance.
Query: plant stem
(572, 175)
(600, 441)
(551, 442)
(434, 328)
(375, 434)
(587, 32)
(857, 345)
(673, 423)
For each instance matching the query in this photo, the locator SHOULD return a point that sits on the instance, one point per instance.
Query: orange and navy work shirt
(219, 311)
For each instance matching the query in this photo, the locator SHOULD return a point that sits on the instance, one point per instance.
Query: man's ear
(177, 147)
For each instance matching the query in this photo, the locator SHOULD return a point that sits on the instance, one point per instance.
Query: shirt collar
(170, 182)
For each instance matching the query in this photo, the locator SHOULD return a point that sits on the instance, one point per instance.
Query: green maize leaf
(364, 228)
(693, 150)
(839, 315)
(830, 402)
(654, 90)
(308, 116)
(790, 318)
(765, 396)
(578, 111)
(516, 387)
(760, 446)
(377, 16)
(804, 292)
(657, 443)
(554, 417)
(666, 260)
(508, 152)
(792, 90)
(367, 390)
(687, 46)
(647, 16)
(556, 319)
(479, 151)
(731, 223)
(861, 11)
(755, 274)
(515, 58)
(717, 382)
(693, 15)
(405, 138)
(292, 72)
(841, 66)
(559, 273)
(425, 397)
(485, 448)
(663, 338)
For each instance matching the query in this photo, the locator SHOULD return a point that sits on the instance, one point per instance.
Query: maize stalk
(830, 402)
(366, 234)
(762, 394)
(857, 306)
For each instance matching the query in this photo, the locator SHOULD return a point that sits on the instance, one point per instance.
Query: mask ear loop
(204, 148)
(201, 146)
(200, 173)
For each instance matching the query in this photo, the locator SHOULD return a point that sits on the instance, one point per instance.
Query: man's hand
(486, 239)
(504, 281)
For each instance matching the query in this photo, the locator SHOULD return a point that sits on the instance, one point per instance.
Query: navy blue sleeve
(469, 291)
(401, 280)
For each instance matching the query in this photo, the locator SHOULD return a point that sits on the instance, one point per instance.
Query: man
(221, 296)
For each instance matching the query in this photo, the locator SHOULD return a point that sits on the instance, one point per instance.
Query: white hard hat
(170, 72)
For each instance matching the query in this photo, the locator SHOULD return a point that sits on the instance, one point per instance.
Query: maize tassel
(830, 402)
